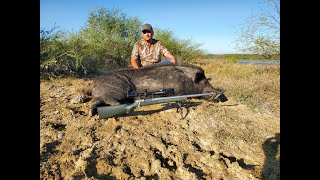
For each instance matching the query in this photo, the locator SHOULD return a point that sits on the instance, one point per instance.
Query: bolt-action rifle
(111, 111)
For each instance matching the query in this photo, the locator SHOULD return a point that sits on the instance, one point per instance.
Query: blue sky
(210, 22)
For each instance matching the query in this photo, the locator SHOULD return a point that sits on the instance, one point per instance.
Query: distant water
(260, 62)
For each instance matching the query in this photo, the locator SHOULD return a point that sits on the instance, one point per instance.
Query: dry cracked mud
(214, 141)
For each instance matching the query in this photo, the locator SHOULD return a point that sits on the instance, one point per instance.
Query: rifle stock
(110, 111)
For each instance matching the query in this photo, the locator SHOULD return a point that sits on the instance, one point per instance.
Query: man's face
(146, 35)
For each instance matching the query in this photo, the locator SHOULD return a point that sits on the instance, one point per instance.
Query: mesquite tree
(260, 33)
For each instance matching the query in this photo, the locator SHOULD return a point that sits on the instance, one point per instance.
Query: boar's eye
(199, 77)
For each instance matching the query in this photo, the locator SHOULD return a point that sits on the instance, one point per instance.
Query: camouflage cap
(147, 27)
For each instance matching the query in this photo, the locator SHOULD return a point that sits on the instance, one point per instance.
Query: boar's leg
(101, 101)
(93, 111)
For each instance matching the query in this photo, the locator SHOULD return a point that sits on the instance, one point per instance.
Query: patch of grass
(256, 86)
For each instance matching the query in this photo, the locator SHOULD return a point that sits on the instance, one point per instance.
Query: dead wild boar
(111, 88)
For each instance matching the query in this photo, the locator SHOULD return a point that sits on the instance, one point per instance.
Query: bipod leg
(180, 110)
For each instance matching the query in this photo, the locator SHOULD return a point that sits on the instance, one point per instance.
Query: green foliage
(61, 54)
(110, 36)
(52, 52)
(184, 50)
(260, 33)
(106, 41)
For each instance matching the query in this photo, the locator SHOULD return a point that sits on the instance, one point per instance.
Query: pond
(260, 62)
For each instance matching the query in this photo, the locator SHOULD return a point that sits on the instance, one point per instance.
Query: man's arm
(135, 56)
(168, 54)
(134, 63)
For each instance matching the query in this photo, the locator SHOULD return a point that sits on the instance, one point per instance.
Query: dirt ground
(214, 141)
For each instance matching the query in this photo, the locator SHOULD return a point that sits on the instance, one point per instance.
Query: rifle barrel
(183, 96)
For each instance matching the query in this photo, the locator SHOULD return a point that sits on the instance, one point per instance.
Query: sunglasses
(146, 31)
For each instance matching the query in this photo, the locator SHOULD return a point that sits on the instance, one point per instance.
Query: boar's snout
(220, 98)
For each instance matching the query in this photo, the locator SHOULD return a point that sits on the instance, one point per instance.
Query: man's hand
(169, 55)
(173, 60)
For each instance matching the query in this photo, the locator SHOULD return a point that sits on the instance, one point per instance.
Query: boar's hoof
(93, 111)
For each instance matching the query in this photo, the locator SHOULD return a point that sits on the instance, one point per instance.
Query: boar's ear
(198, 77)
(193, 73)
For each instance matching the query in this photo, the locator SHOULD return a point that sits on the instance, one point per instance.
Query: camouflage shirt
(148, 53)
